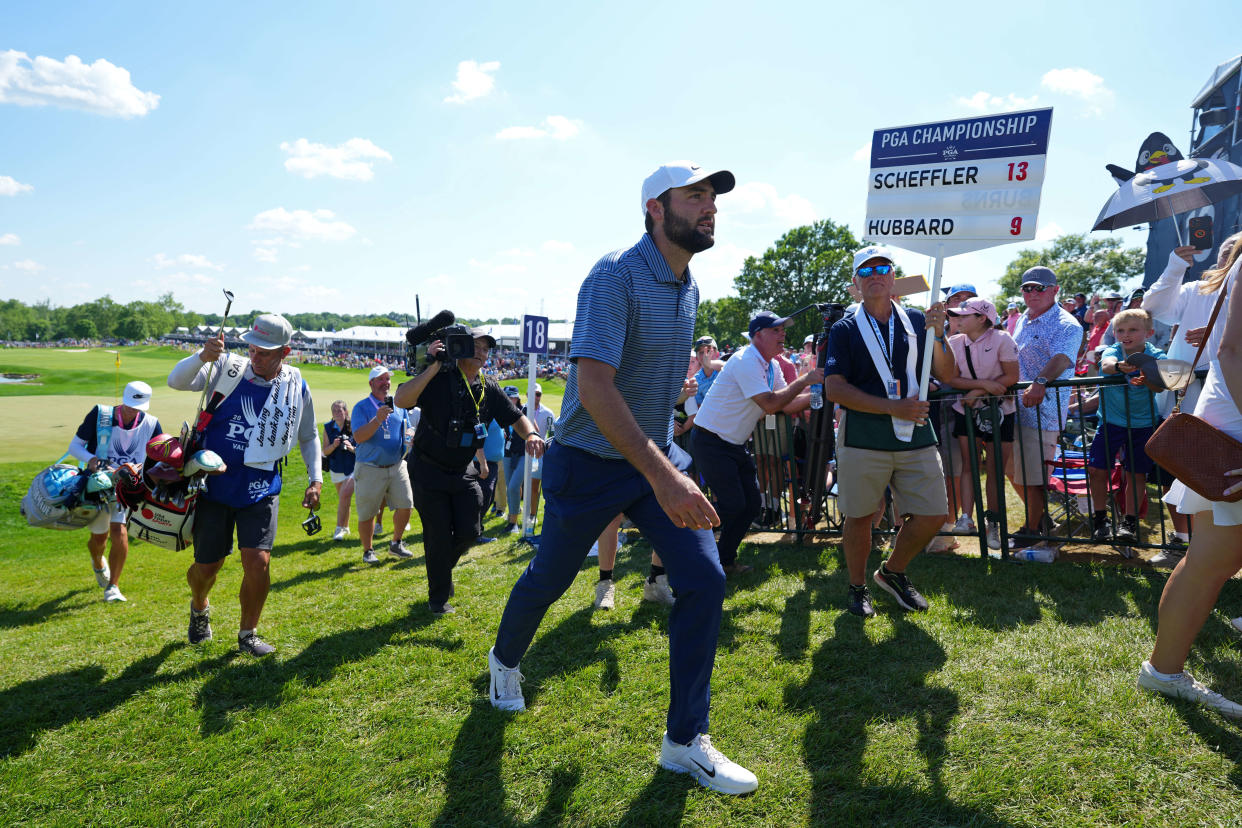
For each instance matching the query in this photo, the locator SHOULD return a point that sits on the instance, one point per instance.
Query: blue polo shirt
(1142, 405)
(380, 450)
(636, 316)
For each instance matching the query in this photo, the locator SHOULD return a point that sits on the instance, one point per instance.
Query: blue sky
(346, 157)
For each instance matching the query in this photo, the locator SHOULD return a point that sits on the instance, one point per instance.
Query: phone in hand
(1201, 232)
(388, 402)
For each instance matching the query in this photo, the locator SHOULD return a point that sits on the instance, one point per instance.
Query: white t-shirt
(728, 409)
(543, 417)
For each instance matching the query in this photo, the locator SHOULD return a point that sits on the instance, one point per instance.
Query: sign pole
(528, 524)
(929, 341)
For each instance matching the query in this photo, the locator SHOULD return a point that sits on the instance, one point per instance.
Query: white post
(528, 525)
(930, 339)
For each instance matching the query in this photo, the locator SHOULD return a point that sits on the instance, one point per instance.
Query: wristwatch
(1040, 380)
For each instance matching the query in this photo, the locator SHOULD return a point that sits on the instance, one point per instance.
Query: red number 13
(1017, 172)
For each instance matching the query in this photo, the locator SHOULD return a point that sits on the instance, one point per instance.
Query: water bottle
(817, 396)
(1039, 554)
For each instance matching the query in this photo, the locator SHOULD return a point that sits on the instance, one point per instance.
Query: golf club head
(205, 461)
(312, 525)
(98, 482)
(164, 472)
(165, 448)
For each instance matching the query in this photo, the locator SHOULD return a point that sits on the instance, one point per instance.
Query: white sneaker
(964, 524)
(341, 533)
(993, 535)
(113, 593)
(505, 692)
(1236, 623)
(1184, 686)
(102, 576)
(594, 553)
(711, 768)
(659, 592)
(605, 594)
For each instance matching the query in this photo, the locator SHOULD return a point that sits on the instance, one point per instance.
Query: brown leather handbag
(1195, 452)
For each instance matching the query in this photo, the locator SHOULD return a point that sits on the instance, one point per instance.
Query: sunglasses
(1035, 288)
(878, 270)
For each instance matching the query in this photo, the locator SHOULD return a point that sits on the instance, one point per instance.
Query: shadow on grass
(13, 617)
(311, 576)
(253, 684)
(857, 684)
(48, 703)
(476, 794)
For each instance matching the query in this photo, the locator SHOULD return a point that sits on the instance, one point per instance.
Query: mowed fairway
(1011, 702)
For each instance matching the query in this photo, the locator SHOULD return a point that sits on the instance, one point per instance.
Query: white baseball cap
(377, 372)
(676, 174)
(871, 251)
(137, 395)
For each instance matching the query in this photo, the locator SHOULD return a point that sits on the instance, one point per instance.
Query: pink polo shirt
(987, 353)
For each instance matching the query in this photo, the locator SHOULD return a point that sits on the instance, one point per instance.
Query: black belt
(377, 465)
(431, 461)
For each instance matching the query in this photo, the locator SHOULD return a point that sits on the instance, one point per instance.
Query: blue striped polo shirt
(635, 315)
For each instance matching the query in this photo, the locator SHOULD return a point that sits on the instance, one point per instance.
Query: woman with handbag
(1215, 553)
(990, 358)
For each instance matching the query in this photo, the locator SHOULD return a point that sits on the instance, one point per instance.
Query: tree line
(814, 264)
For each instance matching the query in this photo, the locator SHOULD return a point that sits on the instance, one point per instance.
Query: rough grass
(1011, 702)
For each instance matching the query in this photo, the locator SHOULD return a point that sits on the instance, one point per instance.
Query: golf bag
(159, 514)
(58, 498)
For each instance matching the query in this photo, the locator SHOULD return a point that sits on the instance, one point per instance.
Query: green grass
(1012, 702)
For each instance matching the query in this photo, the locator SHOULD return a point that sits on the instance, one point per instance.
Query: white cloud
(758, 197)
(1048, 230)
(715, 268)
(351, 160)
(554, 246)
(1080, 83)
(28, 265)
(305, 224)
(10, 239)
(319, 292)
(863, 153)
(10, 186)
(474, 80)
(557, 127)
(264, 254)
(987, 102)
(193, 260)
(100, 87)
(178, 279)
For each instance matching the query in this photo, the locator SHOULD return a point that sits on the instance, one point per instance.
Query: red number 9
(1015, 226)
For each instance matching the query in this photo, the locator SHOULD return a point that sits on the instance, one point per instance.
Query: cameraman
(457, 403)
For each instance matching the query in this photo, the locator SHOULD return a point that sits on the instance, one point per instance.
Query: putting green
(41, 417)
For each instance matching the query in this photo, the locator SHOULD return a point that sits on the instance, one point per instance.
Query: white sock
(199, 612)
(1184, 537)
(1163, 676)
(245, 633)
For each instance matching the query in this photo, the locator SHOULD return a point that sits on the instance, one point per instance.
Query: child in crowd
(987, 365)
(1127, 419)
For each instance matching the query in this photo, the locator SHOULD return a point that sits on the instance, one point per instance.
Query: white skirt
(1189, 502)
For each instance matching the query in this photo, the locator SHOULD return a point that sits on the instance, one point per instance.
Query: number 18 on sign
(534, 334)
(956, 186)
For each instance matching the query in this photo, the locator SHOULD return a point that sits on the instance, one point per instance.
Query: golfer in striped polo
(633, 329)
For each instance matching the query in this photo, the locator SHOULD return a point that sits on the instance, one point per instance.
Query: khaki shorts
(117, 514)
(374, 485)
(1032, 447)
(916, 477)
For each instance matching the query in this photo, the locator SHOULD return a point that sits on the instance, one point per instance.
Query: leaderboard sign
(956, 186)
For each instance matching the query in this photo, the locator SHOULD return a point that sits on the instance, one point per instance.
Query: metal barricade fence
(803, 501)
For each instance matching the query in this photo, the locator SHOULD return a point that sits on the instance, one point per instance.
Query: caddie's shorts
(916, 477)
(214, 524)
(117, 514)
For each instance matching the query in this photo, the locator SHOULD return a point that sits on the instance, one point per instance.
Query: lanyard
(470, 393)
(888, 353)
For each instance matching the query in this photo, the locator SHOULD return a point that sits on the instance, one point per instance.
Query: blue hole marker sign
(534, 334)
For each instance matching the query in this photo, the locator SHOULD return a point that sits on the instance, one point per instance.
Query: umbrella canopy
(1170, 189)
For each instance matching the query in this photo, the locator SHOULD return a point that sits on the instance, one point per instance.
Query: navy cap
(1040, 275)
(765, 319)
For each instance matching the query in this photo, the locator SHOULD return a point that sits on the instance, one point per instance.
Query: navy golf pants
(730, 473)
(583, 493)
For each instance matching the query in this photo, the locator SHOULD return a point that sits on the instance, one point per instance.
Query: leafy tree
(723, 319)
(807, 265)
(1082, 264)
